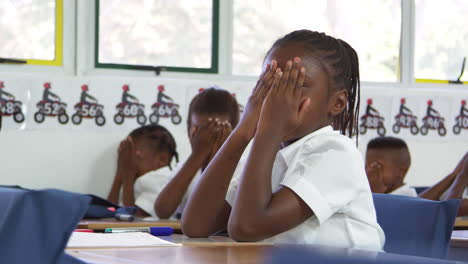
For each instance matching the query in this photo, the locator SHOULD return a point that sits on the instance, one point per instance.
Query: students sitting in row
(303, 182)
(388, 160)
(213, 113)
(143, 168)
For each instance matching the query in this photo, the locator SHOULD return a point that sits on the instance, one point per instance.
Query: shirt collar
(290, 150)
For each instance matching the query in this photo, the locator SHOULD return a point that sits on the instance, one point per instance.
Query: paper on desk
(136, 239)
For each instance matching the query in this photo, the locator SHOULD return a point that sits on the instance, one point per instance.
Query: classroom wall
(82, 158)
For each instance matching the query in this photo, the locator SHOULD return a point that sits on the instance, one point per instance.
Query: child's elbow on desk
(193, 230)
(243, 232)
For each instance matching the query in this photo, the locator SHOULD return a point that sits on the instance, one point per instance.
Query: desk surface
(461, 222)
(168, 255)
(112, 223)
(216, 250)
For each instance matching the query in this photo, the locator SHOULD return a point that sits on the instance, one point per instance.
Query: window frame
(214, 49)
(64, 59)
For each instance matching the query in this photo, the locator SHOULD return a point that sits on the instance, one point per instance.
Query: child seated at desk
(387, 162)
(212, 115)
(143, 168)
(303, 182)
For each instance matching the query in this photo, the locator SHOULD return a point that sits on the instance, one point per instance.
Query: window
(31, 30)
(441, 39)
(179, 34)
(372, 27)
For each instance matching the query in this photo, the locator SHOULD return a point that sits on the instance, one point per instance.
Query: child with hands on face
(212, 115)
(143, 168)
(303, 182)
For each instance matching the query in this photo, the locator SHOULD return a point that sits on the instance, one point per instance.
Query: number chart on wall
(116, 104)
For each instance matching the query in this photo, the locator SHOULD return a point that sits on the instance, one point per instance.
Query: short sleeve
(147, 189)
(326, 177)
(234, 184)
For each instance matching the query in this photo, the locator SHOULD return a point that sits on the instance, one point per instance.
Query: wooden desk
(461, 222)
(216, 249)
(112, 223)
(168, 255)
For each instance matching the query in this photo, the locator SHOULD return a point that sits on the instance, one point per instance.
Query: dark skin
(207, 132)
(135, 159)
(386, 169)
(458, 186)
(299, 101)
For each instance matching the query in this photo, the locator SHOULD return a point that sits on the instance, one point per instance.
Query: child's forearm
(207, 211)
(254, 193)
(113, 196)
(172, 194)
(435, 192)
(463, 209)
(128, 195)
(455, 191)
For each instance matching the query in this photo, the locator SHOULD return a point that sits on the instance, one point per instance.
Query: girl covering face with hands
(304, 181)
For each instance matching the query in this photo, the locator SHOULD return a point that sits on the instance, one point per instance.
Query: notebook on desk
(104, 240)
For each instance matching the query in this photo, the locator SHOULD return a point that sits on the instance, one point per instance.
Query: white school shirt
(195, 181)
(148, 187)
(326, 170)
(405, 190)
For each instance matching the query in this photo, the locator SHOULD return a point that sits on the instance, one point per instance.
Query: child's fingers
(293, 76)
(266, 76)
(285, 77)
(261, 77)
(299, 82)
(274, 86)
(266, 82)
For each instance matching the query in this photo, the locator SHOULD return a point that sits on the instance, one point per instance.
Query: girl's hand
(375, 176)
(223, 132)
(248, 123)
(284, 106)
(204, 138)
(127, 161)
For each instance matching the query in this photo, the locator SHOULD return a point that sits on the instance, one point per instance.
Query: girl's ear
(163, 159)
(338, 102)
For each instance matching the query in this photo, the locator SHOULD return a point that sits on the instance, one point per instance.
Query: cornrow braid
(160, 139)
(341, 63)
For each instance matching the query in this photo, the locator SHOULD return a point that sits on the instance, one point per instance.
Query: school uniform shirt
(405, 190)
(326, 170)
(148, 186)
(195, 181)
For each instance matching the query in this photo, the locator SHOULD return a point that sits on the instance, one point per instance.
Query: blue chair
(319, 254)
(415, 226)
(35, 225)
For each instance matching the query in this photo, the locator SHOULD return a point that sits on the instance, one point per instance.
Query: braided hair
(159, 139)
(341, 63)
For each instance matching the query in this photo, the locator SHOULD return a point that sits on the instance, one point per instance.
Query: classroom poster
(375, 115)
(459, 116)
(405, 116)
(13, 104)
(434, 113)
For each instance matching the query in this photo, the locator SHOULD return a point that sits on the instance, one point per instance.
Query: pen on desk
(155, 231)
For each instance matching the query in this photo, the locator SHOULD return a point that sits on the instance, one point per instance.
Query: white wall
(82, 159)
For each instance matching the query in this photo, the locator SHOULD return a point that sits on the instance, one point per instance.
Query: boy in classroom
(212, 114)
(303, 182)
(387, 162)
(143, 168)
